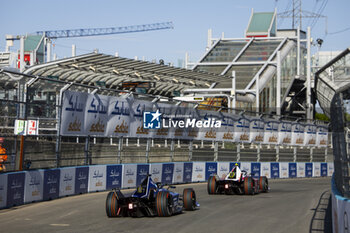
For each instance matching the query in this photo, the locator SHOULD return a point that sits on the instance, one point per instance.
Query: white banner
(242, 130)
(310, 135)
(257, 130)
(129, 175)
(73, 113)
(119, 111)
(156, 172)
(208, 133)
(271, 132)
(198, 171)
(97, 178)
(284, 170)
(300, 169)
(34, 186)
(178, 172)
(32, 127)
(96, 114)
(223, 169)
(136, 122)
(227, 130)
(245, 166)
(167, 112)
(266, 170)
(330, 169)
(316, 171)
(285, 133)
(67, 181)
(297, 134)
(322, 136)
(3, 190)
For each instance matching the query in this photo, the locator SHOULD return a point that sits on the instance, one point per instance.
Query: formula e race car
(237, 182)
(149, 199)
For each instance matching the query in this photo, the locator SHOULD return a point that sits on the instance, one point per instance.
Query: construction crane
(105, 31)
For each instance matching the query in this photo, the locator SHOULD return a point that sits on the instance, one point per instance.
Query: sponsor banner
(178, 114)
(3, 190)
(167, 173)
(81, 180)
(257, 129)
(298, 134)
(167, 111)
(316, 169)
(285, 133)
(156, 172)
(284, 170)
(223, 169)
(242, 130)
(226, 132)
(246, 166)
(142, 172)
(271, 132)
(324, 171)
(322, 136)
(73, 113)
(275, 170)
(211, 168)
(51, 184)
(256, 168)
(187, 177)
(114, 176)
(137, 129)
(15, 189)
(178, 173)
(330, 169)
(67, 181)
(293, 170)
(33, 127)
(34, 186)
(119, 111)
(97, 178)
(129, 175)
(301, 169)
(232, 164)
(206, 132)
(198, 172)
(308, 170)
(310, 135)
(96, 115)
(266, 170)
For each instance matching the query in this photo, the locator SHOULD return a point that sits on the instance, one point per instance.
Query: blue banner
(15, 189)
(255, 169)
(51, 184)
(188, 172)
(81, 180)
(167, 173)
(114, 176)
(292, 170)
(275, 170)
(210, 169)
(324, 171)
(142, 172)
(308, 169)
(232, 164)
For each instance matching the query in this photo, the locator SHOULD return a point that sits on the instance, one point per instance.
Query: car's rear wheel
(248, 186)
(212, 186)
(263, 184)
(112, 207)
(189, 199)
(164, 204)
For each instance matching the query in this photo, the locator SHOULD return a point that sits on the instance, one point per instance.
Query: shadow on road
(322, 218)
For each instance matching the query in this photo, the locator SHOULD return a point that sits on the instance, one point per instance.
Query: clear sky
(191, 21)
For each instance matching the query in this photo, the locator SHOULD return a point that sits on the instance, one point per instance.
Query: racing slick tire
(189, 199)
(112, 207)
(248, 186)
(212, 186)
(263, 184)
(164, 204)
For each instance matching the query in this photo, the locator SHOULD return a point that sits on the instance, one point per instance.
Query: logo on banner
(122, 128)
(151, 120)
(74, 126)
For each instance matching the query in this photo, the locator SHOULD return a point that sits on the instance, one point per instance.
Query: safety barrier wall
(340, 210)
(18, 188)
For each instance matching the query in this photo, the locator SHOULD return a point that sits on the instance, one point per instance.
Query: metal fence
(40, 98)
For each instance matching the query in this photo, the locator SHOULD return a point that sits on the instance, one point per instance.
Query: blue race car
(149, 199)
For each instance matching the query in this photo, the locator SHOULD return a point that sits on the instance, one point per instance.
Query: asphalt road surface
(292, 205)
